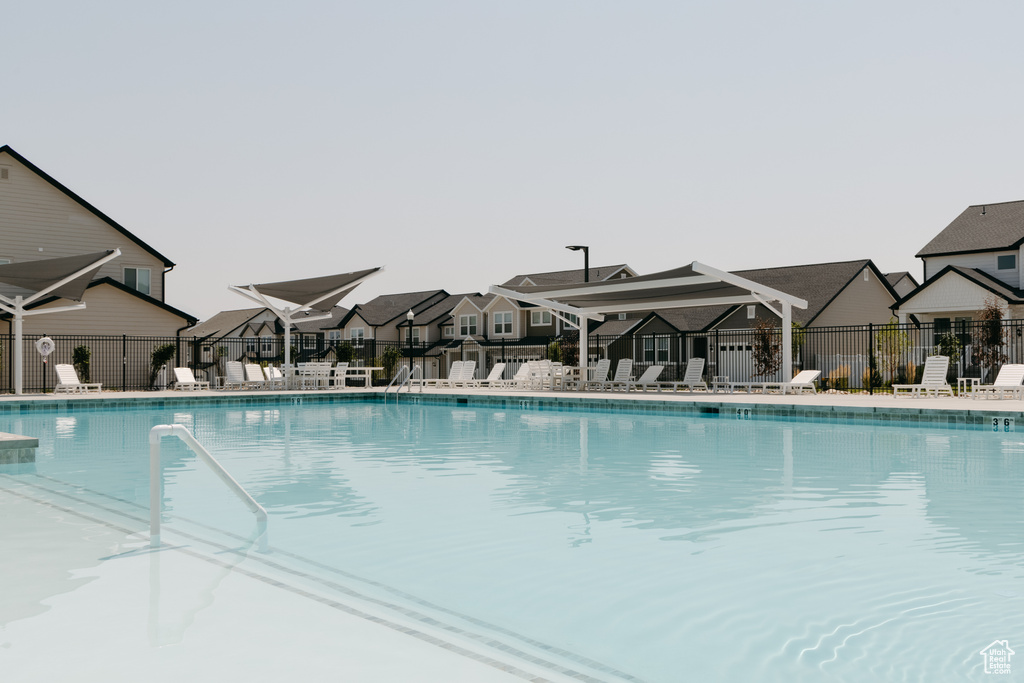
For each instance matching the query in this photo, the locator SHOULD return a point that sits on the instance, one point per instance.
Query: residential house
(40, 218)
(383, 319)
(977, 258)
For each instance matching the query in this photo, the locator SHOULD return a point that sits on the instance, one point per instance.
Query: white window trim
(356, 335)
(138, 269)
(537, 318)
(506, 319)
(467, 328)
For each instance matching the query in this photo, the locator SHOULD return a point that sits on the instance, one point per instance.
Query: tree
(389, 361)
(555, 352)
(767, 348)
(989, 337)
(891, 341)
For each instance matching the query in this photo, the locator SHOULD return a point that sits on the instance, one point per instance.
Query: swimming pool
(627, 546)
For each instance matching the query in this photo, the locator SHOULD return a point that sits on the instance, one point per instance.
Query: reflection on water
(639, 540)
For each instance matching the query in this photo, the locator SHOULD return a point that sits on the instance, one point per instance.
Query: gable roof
(441, 310)
(222, 323)
(981, 227)
(818, 283)
(389, 307)
(188, 317)
(567, 277)
(978, 277)
(86, 205)
(894, 278)
(338, 314)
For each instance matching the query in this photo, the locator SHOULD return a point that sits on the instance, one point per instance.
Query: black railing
(852, 358)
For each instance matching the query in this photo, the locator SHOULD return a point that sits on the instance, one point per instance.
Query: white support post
(584, 352)
(787, 341)
(18, 351)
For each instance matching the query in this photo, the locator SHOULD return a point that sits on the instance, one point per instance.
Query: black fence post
(124, 362)
(871, 359)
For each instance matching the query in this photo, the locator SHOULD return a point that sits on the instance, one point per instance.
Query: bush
(80, 356)
(555, 352)
(161, 356)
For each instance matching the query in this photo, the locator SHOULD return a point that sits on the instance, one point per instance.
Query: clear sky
(458, 143)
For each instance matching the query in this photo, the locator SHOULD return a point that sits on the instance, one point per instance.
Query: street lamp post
(586, 259)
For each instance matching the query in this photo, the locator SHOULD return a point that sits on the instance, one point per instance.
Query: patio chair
(933, 379)
(338, 374)
(274, 377)
(804, 379)
(454, 372)
(622, 377)
(67, 382)
(466, 375)
(599, 375)
(313, 375)
(254, 376)
(234, 377)
(1009, 382)
(649, 378)
(493, 378)
(185, 380)
(520, 380)
(692, 377)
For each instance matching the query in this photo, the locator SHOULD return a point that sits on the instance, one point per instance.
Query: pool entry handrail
(156, 482)
(403, 377)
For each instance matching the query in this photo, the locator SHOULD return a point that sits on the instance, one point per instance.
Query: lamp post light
(586, 259)
(409, 316)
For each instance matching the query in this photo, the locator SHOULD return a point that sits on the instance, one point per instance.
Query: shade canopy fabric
(35, 276)
(318, 293)
(692, 285)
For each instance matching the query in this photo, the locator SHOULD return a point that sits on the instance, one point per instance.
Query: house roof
(981, 227)
(978, 277)
(613, 327)
(567, 277)
(441, 310)
(818, 283)
(86, 205)
(222, 323)
(389, 307)
(338, 314)
(188, 317)
(894, 278)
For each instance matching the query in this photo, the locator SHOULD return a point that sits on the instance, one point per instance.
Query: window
(250, 344)
(207, 352)
(573, 319)
(266, 345)
(309, 341)
(503, 322)
(1008, 262)
(415, 335)
(751, 312)
(334, 336)
(449, 330)
(467, 325)
(540, 317)
(137, 279)
(356, 335)
(622, 316)
(656, 349)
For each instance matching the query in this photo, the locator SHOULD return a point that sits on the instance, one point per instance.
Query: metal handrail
(156, 482)
(406, 376)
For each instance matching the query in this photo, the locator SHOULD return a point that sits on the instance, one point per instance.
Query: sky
(460, 143)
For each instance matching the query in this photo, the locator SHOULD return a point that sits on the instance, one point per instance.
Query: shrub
(767, 349)
(161, 356)
(80, 356)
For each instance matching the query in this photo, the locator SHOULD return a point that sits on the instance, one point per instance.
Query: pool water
(655, 548)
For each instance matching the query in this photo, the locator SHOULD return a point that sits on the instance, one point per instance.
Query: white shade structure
(63, 278)
(319, 294)
(689, 286)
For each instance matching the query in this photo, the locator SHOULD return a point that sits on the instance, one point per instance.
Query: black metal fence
(855, 358)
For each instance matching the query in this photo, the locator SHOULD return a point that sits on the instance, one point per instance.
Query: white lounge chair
(649, 379)
(454, 372)
(67, 382)
(254, 376)
(235, 375)
(520, 380)
(933, 379)
(185, 380)
(466, 375)
(623, 375)
(804, 379)
(599, 375)
(692, 377)
(493, 377)
(274, 377)
(338, 374)
(1009, 382)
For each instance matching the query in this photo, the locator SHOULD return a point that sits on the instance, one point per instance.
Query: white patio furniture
(1008, 383)
(648, 379)
(274, 377)
(622, 377)
(598, 375)
(493, 377)
(933, 379)
(68, 383)
(692, 376)
(185, 380)
(254, 377)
